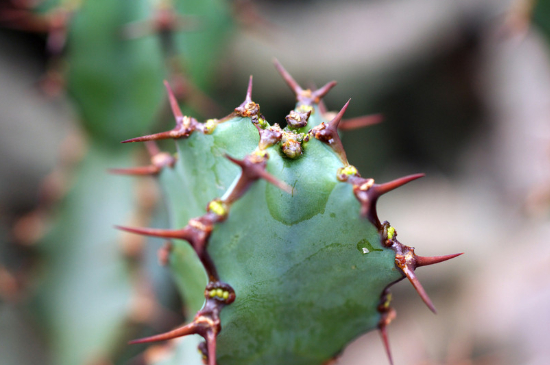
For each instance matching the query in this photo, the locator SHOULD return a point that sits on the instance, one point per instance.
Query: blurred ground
(463, 103)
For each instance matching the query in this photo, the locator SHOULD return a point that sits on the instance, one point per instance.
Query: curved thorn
(386, 342)
(189, 329)
(287, 77)
(424, 261)
(155, 232)
(174, 104)
(320, 93)
(151, 137)
(338, 118)
(137, 171)
(409, 273)
(360, 122)
(384, 188)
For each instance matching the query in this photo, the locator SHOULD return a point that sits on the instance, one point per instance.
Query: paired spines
(206, 322)
(303, 96)
(368, 192)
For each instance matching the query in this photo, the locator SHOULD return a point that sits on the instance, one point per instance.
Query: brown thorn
(248, 108)
(241, 163)
(381, 189)
(360, 122)
(328, 133)
(252, 171)
(408, 270)
(182, 234)
(248, 97)
(137, 171)
(152, 137)
(333, 124)
(386, 342)
(321, 104)
(189, 329)
(174, 104)
(425, 261)
(368, 193)
(317, 95)
(288, 78)
(276, 182)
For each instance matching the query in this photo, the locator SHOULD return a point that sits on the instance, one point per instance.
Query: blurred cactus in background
(110, 57)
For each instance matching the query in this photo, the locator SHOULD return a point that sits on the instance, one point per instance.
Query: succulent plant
(107, 55)
(276, 242)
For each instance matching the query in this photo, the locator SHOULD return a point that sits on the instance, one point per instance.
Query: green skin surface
(304, 286)
(84, 291)
(114, 81)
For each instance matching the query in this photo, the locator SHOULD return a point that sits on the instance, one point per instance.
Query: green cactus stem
(282, 242)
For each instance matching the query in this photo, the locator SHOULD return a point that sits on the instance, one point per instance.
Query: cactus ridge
(276, 148)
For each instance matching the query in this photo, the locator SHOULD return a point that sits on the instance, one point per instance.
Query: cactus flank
(276, 242)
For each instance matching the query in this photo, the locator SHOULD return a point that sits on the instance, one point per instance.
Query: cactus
(108, 56)
(277, 244)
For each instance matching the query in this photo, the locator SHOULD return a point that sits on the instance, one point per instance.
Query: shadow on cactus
(294, 261)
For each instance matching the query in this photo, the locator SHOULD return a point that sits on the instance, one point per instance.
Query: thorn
(288, 78)
(317, 95)
(206, 322)
(368, 193)
(241, 163)
(182, 234)
(360, 122)
(386, 342)
(381, 189)
(253, 168)
(408, 270)
(248, 108)
(189, 329)
(184, 125)
(248, 97)
(174, 104)
(274, 181)
(151, 137)
(304, 97)
(333, 124)
(425, 261)
(328, 133)
(136, 171)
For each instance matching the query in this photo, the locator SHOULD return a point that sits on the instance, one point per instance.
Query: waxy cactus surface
(276, 243)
